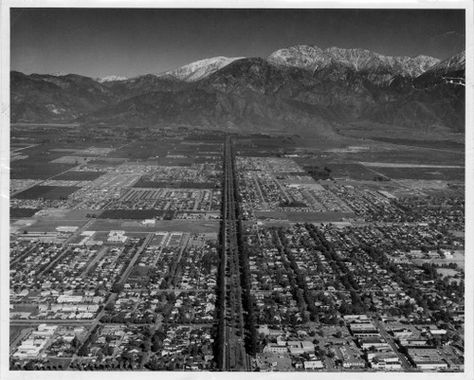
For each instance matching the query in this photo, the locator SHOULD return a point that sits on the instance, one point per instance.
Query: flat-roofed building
(313, 364)
(427, 358)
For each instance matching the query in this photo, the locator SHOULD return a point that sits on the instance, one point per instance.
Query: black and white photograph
(236, 189)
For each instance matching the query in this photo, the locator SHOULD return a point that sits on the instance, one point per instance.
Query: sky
(131, 42)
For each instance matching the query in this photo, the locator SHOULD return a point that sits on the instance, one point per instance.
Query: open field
(160, 225)
(22, 212)
(458, 258)
(435, 144)
(173, 184)
(31, 169)
(446, 271)
(75, 160)
(64, 214)
(47, 192)
(437, 137)
(14, 332)
(410, 155)
(140, 150)
(428, 173)
(174, 161)
(136, 214)
(350, 170)
(318, 217)
(78, 176)
(14, 147)
(294, 216)
(107, 161)
(41, 225)
(408, 165)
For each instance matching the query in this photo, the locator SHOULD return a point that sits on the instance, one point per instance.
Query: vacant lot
(107, 161)
(44, 225)
(457, 258)
(47, 192)
(141, 150)
(32, 169)
(296, 216)
(174, 161)
(351, 170)
(15, 331)
(22, 212)
(76, 160)
(78, 176)
(408, 165)
(196, 148)
(136, 214)
(318, 217)
(435, 144)
(418, 155)
(173, 184)
(19, 146)
(446, 174)
(64, 214)
(160, 225)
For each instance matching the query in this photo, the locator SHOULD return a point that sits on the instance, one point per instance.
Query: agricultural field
(39, 224)
(421, 173)
(405, 155)
(136, 214)
(353, 171)
(74, 160)
(34, 169)
(435, 144)
(142, 150)
(22, 212)
(72, 175)
(17, 185)
(47, 192)
(165, 225)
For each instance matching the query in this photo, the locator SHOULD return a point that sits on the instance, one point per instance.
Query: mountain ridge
(337, 59)
(310, 90)
(198, 70)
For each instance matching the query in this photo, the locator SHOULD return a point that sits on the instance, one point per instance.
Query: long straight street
(233, 356)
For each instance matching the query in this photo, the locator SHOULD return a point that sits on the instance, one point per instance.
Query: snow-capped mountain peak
(454, 63)
(314, 58)
(198, 70)
(111, 78)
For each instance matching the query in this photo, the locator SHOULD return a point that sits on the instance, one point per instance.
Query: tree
(83, 350)
(117, 287)
(109, 350)
(75, 343)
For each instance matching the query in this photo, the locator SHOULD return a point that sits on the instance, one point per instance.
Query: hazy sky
(99, 42)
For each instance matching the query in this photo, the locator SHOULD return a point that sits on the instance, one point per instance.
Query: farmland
(422, 173)
(47, 192)
(136, 214)
(79, 175)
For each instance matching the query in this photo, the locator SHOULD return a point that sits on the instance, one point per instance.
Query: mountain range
(302, 87)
